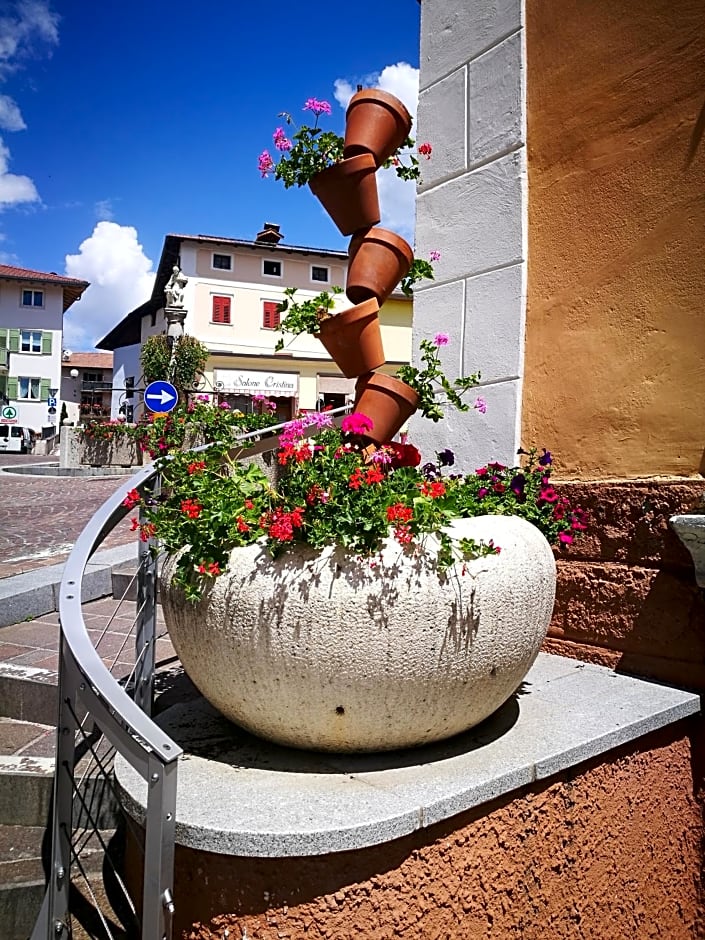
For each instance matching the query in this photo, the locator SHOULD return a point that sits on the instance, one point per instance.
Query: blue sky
(122, 122)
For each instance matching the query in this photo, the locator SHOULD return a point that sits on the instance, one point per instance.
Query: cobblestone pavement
(41, 517)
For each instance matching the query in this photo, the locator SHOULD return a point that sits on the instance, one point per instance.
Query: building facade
(86, 384)
(232, 295)
(32, 307)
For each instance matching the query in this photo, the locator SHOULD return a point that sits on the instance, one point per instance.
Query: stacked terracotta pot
(377, 124)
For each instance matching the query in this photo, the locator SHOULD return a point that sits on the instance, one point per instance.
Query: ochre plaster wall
(615, 339)
(610, 850)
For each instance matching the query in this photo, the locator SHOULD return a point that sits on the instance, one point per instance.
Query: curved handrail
(74, 630)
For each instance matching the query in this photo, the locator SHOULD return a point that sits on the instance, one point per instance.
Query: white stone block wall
(472, 207)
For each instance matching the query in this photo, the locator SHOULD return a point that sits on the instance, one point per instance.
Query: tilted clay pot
(387, 401)
(379, 259)
(348, 192)
(353, 339)
(376, 123)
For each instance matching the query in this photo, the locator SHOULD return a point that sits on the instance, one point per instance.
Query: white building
(32, 307)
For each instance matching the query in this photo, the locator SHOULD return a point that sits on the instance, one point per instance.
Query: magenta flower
(265, 163)
(480, 405)
(318, 107)
(441, 339)
(356, 423)
(435, 256)
(482, 492)
(224, 405)
(565, 538)
(321, 419)
(281, 141)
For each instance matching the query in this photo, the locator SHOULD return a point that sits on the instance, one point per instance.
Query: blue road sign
(160, 396)
(51, 402)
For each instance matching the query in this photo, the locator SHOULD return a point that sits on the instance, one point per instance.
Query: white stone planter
(319, 650)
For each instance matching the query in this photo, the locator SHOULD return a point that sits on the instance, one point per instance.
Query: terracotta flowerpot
(354, 340)
(379, 259)
(376, 123)
(388, 401)
(348, 192)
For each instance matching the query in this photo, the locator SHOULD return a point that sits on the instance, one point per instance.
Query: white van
(14, 439)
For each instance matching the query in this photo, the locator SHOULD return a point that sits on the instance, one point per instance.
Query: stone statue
(174, 289)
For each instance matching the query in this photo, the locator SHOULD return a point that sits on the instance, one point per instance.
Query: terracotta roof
(88, 360)
(25, 274)
(73, 287)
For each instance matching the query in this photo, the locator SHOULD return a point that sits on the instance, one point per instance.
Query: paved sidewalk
(41, 517)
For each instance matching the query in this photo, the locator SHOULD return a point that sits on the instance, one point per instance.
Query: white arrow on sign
(163, 397)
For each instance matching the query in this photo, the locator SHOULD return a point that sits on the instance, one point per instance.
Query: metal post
(146, 625)
(62, 828)
(160, 826)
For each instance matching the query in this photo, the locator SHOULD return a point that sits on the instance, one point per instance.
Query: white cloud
(28, 24)
(121, 279)
(10, 116)
(14, 189)
(397, 197)
(32, 21)
(104, 210)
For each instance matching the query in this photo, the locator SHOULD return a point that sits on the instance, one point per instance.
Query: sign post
(161, 396)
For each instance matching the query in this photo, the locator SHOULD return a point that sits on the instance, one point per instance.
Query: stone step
(28, 693)
(124, 582)
(23, 851)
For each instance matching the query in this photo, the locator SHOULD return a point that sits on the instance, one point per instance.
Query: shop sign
(251, 382)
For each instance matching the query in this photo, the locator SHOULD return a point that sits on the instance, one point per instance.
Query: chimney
(270, 234)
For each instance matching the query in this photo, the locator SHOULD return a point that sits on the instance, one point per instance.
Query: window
(222, 262)
(32, 298)
(29, 389)
(272, 268)
(221, 309)
(92, 376)
(270, 314)
(31, 341)
(319, 274)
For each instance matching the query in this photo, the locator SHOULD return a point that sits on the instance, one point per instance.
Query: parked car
(15, 439)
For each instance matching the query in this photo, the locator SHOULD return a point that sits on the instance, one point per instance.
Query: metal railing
(101, 714)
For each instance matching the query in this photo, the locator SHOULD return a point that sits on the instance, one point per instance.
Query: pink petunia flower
(441, 339)
(480, 405)
(435, 256)
(281, 141)
(265, 164)
(356, 423)
(317, 107)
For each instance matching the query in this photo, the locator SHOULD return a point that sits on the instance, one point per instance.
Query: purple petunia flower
(446, 458)
(435, 256)
(546, 459)
(480, 405)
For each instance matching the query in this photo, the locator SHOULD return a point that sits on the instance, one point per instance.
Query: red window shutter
(270, 314)
(221, 309)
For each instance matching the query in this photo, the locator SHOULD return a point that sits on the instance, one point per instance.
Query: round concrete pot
(324, 651)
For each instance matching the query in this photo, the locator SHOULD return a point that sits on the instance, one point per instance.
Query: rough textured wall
(626, 595)
(610, 850)
(615, 351)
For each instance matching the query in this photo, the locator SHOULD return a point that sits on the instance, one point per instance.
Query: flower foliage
(199, 422)
(331, 490)
(310, 150)
(305, 316)
(430, 379)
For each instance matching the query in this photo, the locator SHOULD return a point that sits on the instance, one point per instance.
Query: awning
(336, 385)
(251, 382)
